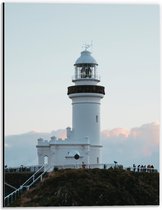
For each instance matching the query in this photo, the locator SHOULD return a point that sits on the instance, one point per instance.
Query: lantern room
(86, 67)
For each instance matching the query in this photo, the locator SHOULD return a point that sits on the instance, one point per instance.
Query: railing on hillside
(37, 176)
(35, 168)
(22, 168)
(88, 166)
(9, 185)
(105, 166)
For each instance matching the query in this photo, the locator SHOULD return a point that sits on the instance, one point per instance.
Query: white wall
(57, 154)
(86, 117)
(95, 152)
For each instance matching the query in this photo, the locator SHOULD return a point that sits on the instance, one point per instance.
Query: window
(97, 160)
(96, 118)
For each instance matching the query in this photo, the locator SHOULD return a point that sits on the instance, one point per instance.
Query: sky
(43, 41)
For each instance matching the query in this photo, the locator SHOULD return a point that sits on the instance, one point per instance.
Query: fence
(37, 176)
(23, 169)
(101, 166)
(106, 166)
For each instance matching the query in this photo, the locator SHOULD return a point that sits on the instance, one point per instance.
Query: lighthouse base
(67, 152)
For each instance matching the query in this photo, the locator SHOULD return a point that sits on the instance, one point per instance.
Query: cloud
(148, 132)
(61, 133)
(137, 145)
(116, 132)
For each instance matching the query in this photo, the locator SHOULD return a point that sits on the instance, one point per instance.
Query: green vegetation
(94, 187)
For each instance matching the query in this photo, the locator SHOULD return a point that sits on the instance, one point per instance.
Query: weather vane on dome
(87, 46)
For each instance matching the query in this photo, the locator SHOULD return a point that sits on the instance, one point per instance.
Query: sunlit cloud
(140, 144)
(151, 132)
(116, 132)
(148, 132)
(61, 133)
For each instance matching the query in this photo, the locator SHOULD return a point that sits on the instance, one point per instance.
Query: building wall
(63, 154)
(95, 155)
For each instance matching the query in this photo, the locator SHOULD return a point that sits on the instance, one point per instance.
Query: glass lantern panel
(85, 71)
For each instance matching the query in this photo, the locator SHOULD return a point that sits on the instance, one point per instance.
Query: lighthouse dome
(85, 58)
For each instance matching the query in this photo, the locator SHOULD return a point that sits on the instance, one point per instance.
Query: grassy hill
(15, 179)
(94, 187)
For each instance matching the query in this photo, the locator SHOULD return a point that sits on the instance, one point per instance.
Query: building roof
(86, 58)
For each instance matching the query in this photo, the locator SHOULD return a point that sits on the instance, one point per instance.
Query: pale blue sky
(42, 42)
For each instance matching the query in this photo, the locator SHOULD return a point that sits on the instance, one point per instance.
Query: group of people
(143, 168)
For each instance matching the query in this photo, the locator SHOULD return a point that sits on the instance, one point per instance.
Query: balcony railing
(86, 89)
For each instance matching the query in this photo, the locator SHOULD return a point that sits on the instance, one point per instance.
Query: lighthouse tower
(86, 96)
(82, 144)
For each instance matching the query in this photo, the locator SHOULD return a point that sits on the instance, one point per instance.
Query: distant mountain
(138, 145)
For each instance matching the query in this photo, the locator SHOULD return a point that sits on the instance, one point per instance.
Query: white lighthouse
(86, 96)
(83, 139)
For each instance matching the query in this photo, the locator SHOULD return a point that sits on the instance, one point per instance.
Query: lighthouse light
(86, 71)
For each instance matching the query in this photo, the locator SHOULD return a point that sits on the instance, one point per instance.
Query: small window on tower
(97, 118)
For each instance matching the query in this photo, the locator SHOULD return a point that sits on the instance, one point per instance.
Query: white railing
(32, 168)
(9, 185)
(105, 166)
(87, 166)
(38, 175)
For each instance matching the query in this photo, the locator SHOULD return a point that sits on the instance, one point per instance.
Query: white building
(83, 140)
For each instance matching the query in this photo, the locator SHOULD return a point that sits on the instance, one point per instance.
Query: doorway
(46, 160)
